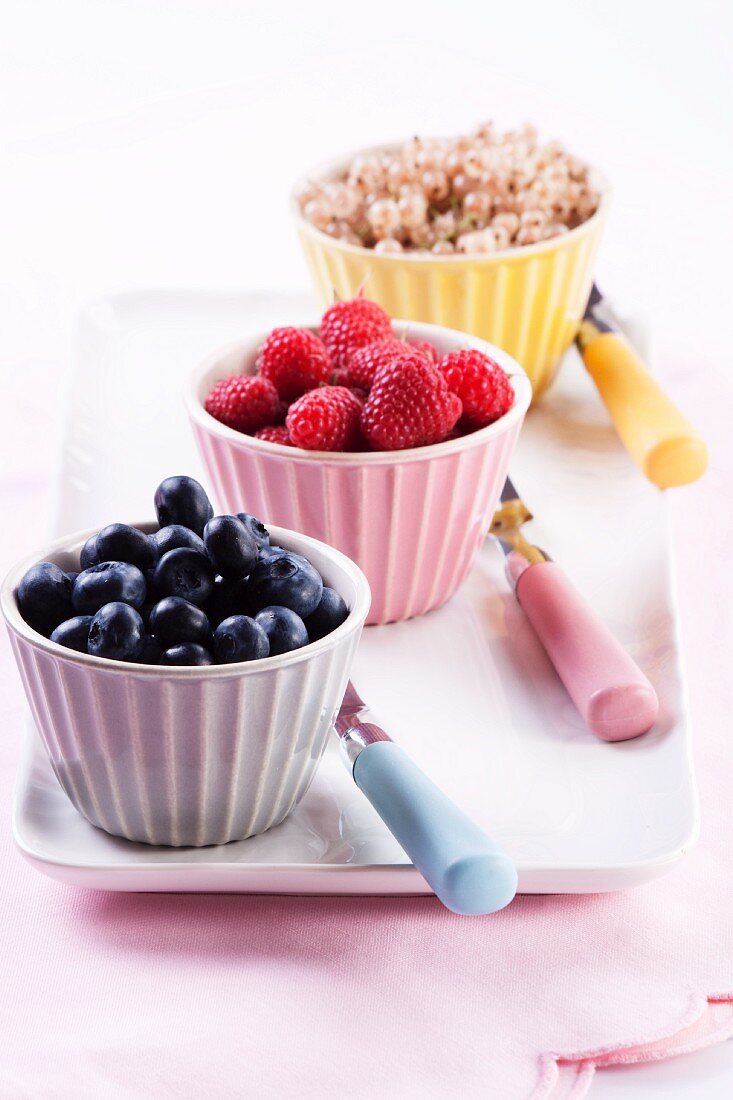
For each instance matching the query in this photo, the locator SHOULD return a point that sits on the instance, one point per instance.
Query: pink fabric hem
(709, 1020)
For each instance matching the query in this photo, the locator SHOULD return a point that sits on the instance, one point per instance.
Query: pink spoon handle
(611, 692)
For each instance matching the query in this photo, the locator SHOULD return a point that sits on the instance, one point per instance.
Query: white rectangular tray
(466, 690)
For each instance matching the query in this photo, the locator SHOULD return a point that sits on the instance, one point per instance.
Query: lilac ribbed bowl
(187, 756)
(412, 520)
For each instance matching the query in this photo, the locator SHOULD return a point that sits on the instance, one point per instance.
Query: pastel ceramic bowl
(528, 301)
(412, 520)
(187, 756)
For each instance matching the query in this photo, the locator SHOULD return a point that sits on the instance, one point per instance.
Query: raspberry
(295, 360)
(483, 387)
(365, 362)
(348, 326)
(409, 405)
(243, 402)
(426, 348)
(275, 433)
(326, 419)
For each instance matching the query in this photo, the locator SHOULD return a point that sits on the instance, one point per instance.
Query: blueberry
(329, 614)
(257, 530)
(239, 638)
(229, 597)
(286, 580)
(188, 653)
(44, 597)
(175, 620)
(88, 555)
(284, 629)
(151, 651)
(267, 553)
(108, 582)
(74, 633)
(174, 536)
(72, 575)
(183, 501)
(116, 632)
(118, 542)
(231, 549)
(186, 573)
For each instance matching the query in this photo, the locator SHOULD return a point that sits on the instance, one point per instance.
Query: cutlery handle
(659, 438)
(466, 870)
(609, 689)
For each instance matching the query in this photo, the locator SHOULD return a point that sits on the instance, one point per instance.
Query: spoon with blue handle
(466, 870)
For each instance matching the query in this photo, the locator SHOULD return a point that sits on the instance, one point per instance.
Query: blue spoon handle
(466, 870)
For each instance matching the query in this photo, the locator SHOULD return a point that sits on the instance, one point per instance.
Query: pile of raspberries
(356, 387)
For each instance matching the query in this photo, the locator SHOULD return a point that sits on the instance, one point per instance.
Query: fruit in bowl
(473, 193)
(491, 233)
(214, 590)
(354, 386)
(184, 693)
(396, 453)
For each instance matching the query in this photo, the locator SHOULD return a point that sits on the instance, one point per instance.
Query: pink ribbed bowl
(187, 756)
(412, 520)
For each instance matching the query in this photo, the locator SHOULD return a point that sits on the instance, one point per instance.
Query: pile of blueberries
(201, 590)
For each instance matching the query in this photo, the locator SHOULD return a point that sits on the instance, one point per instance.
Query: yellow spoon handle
(658, 437)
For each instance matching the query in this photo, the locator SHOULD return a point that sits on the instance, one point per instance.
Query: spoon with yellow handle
(656, 434)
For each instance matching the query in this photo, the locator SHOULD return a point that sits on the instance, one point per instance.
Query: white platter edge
(345, 879)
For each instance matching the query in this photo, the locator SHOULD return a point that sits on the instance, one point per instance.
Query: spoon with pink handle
(612, 694)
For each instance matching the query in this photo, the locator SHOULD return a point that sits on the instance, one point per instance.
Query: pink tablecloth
(154, 996)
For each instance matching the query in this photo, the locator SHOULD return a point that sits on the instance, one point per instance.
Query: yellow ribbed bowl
(528, 301)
